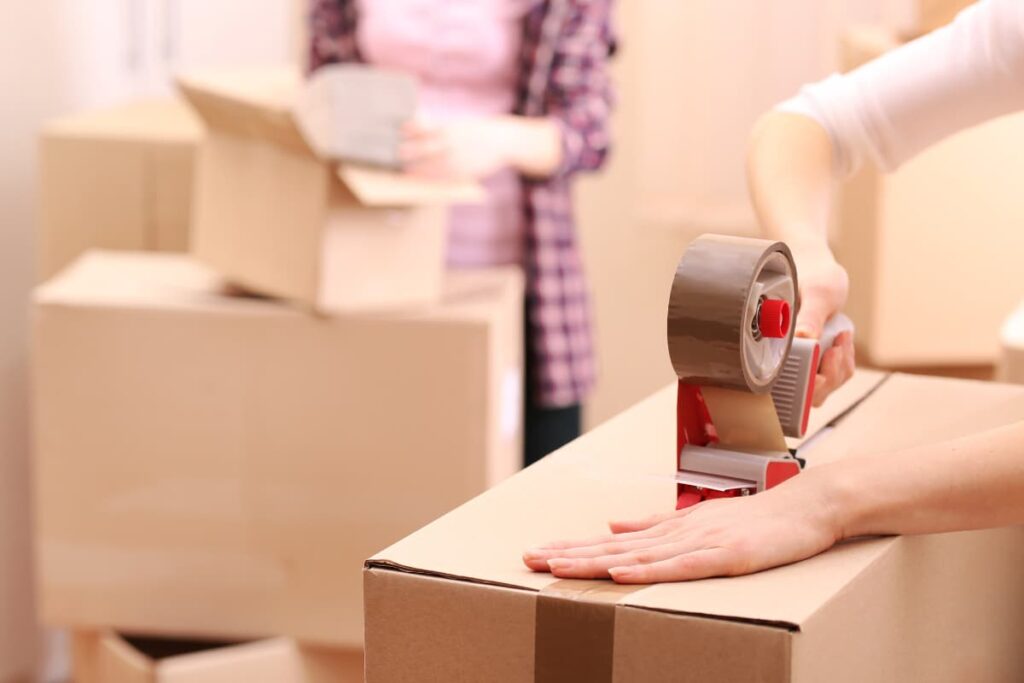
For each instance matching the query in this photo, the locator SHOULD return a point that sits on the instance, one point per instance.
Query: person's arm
(969, 483)
(476, 148)
(789, 169)
(570, 135)
(887, 110)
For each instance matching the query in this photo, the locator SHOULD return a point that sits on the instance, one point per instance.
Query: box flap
(838, 404)
(151, 121)
(380, 188)
(158, 281)
(623, 470)
(248, 103)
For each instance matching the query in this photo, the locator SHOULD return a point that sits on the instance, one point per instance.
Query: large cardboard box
(118, 178)
(209, 465)
(107, 657)
(933, 249)
(273, 216)
(454, 600)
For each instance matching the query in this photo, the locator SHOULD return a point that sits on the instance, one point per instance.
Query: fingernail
(536, 552)
(559, 565)
(621, 572)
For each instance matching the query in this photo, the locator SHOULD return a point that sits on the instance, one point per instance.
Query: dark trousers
(544, 429)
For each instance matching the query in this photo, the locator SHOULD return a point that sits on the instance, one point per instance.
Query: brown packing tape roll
(712, 307)
(575, 631)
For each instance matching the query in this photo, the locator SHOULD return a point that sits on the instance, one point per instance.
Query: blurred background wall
(692, 78)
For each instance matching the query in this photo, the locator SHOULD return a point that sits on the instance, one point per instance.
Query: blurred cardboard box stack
(105, 657)
(933, 248)
(946, 607)
(120, 178)
(215, 466)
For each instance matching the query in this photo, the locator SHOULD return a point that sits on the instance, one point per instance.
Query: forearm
(969, 483)
(532, 146)
(789, 173)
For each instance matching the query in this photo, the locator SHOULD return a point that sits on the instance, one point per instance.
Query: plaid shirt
(562, 75)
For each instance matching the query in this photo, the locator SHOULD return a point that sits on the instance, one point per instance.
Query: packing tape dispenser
(745, 382)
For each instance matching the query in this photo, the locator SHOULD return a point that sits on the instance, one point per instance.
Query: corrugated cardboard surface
(207, 465)
(875, 609)
(935, 241)
(107, 657)
(116, 179)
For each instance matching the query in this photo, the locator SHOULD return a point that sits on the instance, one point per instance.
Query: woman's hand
(474, 148)
(724, 537)
(467, 149)
(824, 285)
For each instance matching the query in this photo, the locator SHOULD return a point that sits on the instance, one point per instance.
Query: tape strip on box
(575, 631)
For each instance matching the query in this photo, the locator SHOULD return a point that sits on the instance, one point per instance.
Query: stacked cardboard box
(106, 657)
(936, 241)
(119, 178)
(216, 465)
(274, 216)
(455, 600)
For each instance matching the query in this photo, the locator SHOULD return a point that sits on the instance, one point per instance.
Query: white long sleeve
(890, 109)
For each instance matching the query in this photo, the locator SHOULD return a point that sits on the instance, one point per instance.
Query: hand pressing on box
(725, 537)
(474, 148)
(974, 482)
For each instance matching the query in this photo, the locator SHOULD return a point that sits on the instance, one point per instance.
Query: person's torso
(465, 56)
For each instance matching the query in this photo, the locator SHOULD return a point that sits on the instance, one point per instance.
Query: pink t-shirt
(465, 55)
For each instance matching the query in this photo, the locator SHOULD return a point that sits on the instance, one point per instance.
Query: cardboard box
(273, 217)
(108, 657)
(118, 178)
(454, 599)
(215, 466)
(932, 249)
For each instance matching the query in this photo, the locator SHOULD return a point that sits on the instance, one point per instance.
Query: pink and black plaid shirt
(563, 75)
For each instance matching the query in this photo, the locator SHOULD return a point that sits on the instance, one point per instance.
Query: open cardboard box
(220, 466)
(453, 601)
(273, 216)
(118, 178)
(107, 657)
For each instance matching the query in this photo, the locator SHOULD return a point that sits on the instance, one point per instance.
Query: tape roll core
(712, 313)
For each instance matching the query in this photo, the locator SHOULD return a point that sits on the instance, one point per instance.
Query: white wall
(31, 93)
